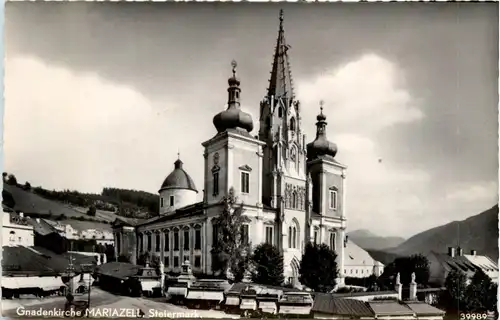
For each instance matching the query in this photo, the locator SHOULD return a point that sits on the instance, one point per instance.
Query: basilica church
(293, 192)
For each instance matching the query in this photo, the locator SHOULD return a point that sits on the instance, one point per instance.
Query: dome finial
(234, 64)
(321, 116)
(178, 155)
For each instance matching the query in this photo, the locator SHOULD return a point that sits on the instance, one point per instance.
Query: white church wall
(181, 198)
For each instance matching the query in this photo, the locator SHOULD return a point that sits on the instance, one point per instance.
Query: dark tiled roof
(184, 212)
(123, 221)
(41, 227)
(423, 309)
(240, 286)
(459, 263)
(363, 293)
(178, 179)
(327, 303)
(390, 308)
(119, 270)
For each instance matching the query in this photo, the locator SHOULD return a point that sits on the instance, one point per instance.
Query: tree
(405, 266)
(8, 199)
(231, 250)
(12, 180)
(91, 211)
(27, 186)
(318, 269)
(4, 175)
(478, 293)
(268, 265)
(453, 298)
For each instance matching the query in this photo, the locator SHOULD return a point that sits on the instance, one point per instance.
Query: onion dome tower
(177, 191)
(233, 118)
(321, 147)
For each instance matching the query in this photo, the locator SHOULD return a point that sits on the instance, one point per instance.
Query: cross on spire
(234, 64)
(321, 104)
(178, 155)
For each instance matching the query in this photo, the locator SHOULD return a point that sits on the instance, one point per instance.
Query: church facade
(292, 192)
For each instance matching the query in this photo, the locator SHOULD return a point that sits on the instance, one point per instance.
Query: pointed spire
(280, 84)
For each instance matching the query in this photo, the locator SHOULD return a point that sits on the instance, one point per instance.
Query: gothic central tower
(284, 162)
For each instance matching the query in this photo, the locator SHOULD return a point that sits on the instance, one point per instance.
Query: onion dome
(178, 179)
(233, 117)
(321, 146)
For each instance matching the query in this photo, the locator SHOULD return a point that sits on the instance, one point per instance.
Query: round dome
(178, 179)
(233, 118)
(321, 147)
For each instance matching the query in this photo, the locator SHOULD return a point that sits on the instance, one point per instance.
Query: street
(107, 305)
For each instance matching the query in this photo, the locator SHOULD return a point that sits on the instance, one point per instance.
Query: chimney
(460, 251)
(473, 252)
(451, 252)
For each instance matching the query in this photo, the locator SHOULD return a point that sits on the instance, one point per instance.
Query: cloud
(364, 95)
(70, 130)
(485, 190)
(362, 98)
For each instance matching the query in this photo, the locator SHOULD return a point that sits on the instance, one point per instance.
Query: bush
(318, 269)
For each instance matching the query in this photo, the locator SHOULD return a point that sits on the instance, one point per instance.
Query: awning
(267, 306)
(50, 283)
(177, 291)
(295, 309)
(248, 304)
(45, 283)
(205, 295)
(232, 301)
(148, 285)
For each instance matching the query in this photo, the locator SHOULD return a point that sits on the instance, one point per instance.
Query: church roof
(356, 256)
(178, 179)
(280, 84)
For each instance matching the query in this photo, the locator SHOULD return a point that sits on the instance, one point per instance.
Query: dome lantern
(321, 146)
(233, 117)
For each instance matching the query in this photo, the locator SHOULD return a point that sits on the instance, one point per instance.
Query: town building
(16, 231)
(359, 264)
(293, 192)
(441, 264)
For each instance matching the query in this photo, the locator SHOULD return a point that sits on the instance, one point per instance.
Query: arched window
(167, 241)
(12, 236)
(280, 112)
(176, 239)
(333, 236)
(295, 204)
(293, 236)
(292, 124)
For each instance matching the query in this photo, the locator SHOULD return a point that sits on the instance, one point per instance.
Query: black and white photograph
(250, 160)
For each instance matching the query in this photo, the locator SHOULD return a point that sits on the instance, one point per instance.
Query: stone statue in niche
(293, 154)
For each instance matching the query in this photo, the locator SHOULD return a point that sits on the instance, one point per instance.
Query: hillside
(369, 241)
(29, 202)
(479, 232)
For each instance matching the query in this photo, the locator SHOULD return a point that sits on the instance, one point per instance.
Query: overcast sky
(106, 94)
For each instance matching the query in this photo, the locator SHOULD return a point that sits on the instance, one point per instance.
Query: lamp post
(87, 268)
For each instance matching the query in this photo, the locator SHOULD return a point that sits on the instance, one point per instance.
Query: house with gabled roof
(441, 264)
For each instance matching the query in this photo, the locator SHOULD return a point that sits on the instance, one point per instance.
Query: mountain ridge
(478, 232)
(370, 241)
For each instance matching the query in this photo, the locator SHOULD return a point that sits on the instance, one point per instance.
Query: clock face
(216, 158)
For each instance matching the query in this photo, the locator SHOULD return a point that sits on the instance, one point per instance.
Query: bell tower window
(280, 112)
(292, 124)
(172, 201)
(333, 199)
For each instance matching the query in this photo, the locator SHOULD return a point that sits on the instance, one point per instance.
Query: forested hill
(122, 202)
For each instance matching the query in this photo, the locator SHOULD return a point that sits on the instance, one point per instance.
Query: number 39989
(473, 316)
